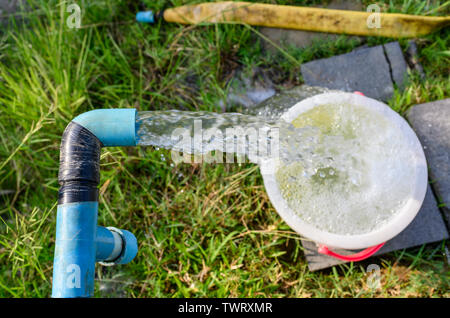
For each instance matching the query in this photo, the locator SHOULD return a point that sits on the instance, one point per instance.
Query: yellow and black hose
(392, 25)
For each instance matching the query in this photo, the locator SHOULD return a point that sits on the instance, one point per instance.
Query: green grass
(203, 230)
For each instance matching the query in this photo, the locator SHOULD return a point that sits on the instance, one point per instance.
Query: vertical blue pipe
(75, 251)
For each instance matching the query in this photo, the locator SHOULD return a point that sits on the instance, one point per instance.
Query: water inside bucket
(368, 177)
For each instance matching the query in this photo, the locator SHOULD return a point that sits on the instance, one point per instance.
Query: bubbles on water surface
(363, 174)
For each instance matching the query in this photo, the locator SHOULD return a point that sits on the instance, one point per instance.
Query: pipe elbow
(83, 138)
(113, 127)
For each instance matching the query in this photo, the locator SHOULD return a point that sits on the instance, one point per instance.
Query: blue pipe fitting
(145, 17)
(79, 241)
(125, 247)
(113, 127)
(108, 245)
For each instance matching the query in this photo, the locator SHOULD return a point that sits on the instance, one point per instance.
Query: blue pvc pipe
(79, 242)
(115, 245)
(129, 247)
(108, 248)
(74, 262)
(105, 244)
(145, 17)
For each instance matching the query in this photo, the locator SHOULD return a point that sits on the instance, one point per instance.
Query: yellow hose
(393, 25)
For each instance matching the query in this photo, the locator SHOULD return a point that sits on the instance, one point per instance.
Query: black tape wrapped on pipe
(79, 169)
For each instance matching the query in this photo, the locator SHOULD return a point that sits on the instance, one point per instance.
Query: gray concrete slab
(397, 63)
(365, 70)
(371, 70)
(431, 122)
(427, 227)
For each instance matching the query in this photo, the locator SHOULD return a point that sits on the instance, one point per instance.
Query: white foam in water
(362, 176)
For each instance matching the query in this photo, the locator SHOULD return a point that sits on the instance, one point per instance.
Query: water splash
(342, 168)
(255, 137)
(369, 175)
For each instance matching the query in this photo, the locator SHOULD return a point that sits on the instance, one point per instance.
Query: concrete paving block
(365, 70)
(431, 122)
(371, 70)
(397, 62)
(427, 227)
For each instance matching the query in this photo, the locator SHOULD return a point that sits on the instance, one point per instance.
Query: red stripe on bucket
(353, 257)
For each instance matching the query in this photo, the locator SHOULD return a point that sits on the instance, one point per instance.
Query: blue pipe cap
(129, 247)
(145, 17)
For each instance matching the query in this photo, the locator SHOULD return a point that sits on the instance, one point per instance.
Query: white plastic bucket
(400, 220)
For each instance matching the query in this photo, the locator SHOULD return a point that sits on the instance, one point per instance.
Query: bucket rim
(358, 241)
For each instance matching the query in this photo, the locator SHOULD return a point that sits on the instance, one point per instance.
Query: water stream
(200, 133)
